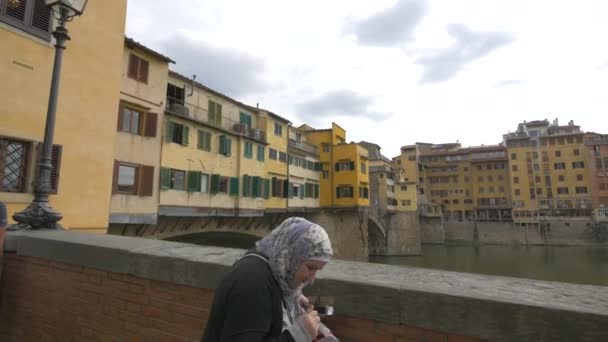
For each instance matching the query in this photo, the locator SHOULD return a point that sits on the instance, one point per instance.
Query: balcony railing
(303, 146)
(186, 110)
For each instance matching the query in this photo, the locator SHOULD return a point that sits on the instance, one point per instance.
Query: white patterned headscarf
(293, 242)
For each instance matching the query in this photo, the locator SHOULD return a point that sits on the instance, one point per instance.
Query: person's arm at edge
(249, 316)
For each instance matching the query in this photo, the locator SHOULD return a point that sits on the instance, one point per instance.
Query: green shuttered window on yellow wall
(194, 181)
(225, 146)
(234, 186)
(215, 184)
(204, 140)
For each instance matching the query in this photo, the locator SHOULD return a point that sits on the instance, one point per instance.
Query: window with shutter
(178, 179)
(246, 185)
(204, 140)
(255, 186)
(138, 68)
(127, 178)
(215, 184)
(214, 114)
(14, 156)
(225, 145)
(129, 120)
(194, 181)
(248, 149)
(223, 186)
(146, 182)
(285, 184)
(31, 16)
(165, 178)
(185, 135)
(266, 188)
(260, 152)
(234, 186)
(151, 120)
(204, 183)
(177, 133)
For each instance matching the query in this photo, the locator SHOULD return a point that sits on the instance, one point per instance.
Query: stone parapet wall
(74, 286)
(558, 231)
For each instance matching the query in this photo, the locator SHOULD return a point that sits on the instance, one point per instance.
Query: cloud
(392, 26)
(338, 103)
(603, 66)
(443, 64)
(227, 70)
(508, 83)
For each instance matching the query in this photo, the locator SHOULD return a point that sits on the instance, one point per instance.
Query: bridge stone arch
(347, 228)
(377, 239)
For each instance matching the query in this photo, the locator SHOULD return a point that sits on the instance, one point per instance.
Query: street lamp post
(40, 214)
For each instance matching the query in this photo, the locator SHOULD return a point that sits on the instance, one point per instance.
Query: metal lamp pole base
(39, 214)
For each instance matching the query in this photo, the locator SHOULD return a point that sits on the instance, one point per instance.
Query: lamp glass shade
(74, 7)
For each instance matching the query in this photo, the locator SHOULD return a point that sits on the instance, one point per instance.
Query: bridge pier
(403, 234)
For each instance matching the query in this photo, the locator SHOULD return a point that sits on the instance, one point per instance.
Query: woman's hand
(305, 303)
(310, 322)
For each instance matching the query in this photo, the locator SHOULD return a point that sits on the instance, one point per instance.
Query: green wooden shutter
(208, 141)
(285, 188)
(211, 111)
(260, 152)
(194, 181)
(185, 136)
(316, 190)
(234, 186)
(170, 131)
(255, 191)
(228, 147)
(303, 191)
(201, 140)
(223, 144)
(245, 185)
(165, 178)
(266, 188)
(215, 184)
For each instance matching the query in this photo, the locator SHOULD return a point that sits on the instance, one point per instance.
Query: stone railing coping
(490, 307)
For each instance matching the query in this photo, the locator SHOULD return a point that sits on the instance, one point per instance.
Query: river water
(579, 265)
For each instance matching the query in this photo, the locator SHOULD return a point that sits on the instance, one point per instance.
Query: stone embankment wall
(69, 286)
(432, 230)
(564, 231)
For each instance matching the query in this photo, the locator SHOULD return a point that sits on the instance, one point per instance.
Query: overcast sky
(394, 72)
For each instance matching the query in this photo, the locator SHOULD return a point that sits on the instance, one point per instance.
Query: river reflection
(580, 265)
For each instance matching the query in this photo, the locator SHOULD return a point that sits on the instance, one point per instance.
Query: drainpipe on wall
(237, 200)
(287, 162)
(331, 166)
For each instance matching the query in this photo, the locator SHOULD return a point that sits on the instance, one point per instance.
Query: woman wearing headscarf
(261, 298)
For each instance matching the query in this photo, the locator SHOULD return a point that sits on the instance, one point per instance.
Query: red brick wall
(49, 301)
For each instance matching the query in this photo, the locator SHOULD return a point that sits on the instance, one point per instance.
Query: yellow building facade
(213, 154)
(304, 173)
(597, 150)
(135, 184)
(85, 128)
(344, 173)
(276, 166)
(549, 167)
